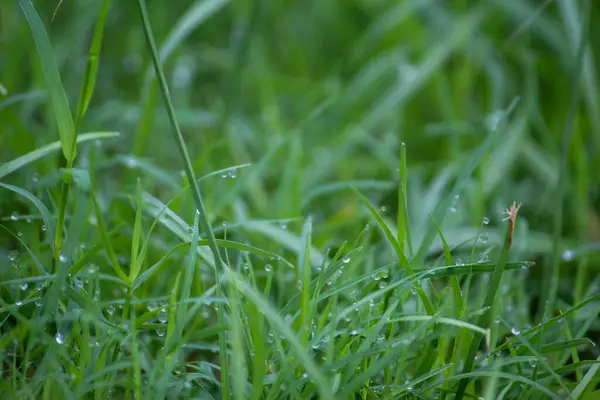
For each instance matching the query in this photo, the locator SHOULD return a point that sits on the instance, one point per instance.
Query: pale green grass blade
(26, 159)
(583, 387)
(60, 104)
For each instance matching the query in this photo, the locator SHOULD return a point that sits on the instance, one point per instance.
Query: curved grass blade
(17, 163)
(399, 251)
(60, 105)
(46, 216)
(497, 374)
(28, 96)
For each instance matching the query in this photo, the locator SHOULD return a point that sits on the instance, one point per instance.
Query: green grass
(269, 199)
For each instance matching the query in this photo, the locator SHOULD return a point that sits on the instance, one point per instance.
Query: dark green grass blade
(60, 104)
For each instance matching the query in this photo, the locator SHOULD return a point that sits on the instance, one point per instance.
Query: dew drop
(62, 258)
(568, 255)
(92, 269)
(162, 316)
(44, 228)
(60, 338)
(13, 255)
(268, 267)
(346, 260)
(14, 216)
(224, 175)
(524, 265)
(413, 290)
(486, 220)
(110, 310)
(515, 331)
(160, 332)
(232, 173)
(18, 303)
(224, 223)
(382, 285)
(24, 286)
(483, 258)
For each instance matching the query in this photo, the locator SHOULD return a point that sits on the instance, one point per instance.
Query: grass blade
(26, 159)
(60, 104)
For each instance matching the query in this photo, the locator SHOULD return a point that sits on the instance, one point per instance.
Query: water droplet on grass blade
(346, 260)
(160, 332)
(515, 331)
(486, 220)
(162, 316)
(110, 310)
(232, 173)
(60, 338)
(24, 286)
(568, 255)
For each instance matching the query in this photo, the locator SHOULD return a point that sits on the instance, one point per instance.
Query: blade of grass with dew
(540, 359)
(549, 297)
(26, 159)
(49, 221)
(60, 104)
(464, 174)
(219, 267)
(188, 279)
(286, 239)
(456, 291)
(404, 263)
(319, 379)
(371, 337)
(38, 264)
(485, 318)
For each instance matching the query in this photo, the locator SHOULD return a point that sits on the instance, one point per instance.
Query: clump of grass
(275, 278)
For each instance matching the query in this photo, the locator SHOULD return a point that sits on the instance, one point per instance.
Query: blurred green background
(318, 96)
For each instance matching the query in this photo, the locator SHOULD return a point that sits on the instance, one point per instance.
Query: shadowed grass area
(268, 199)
